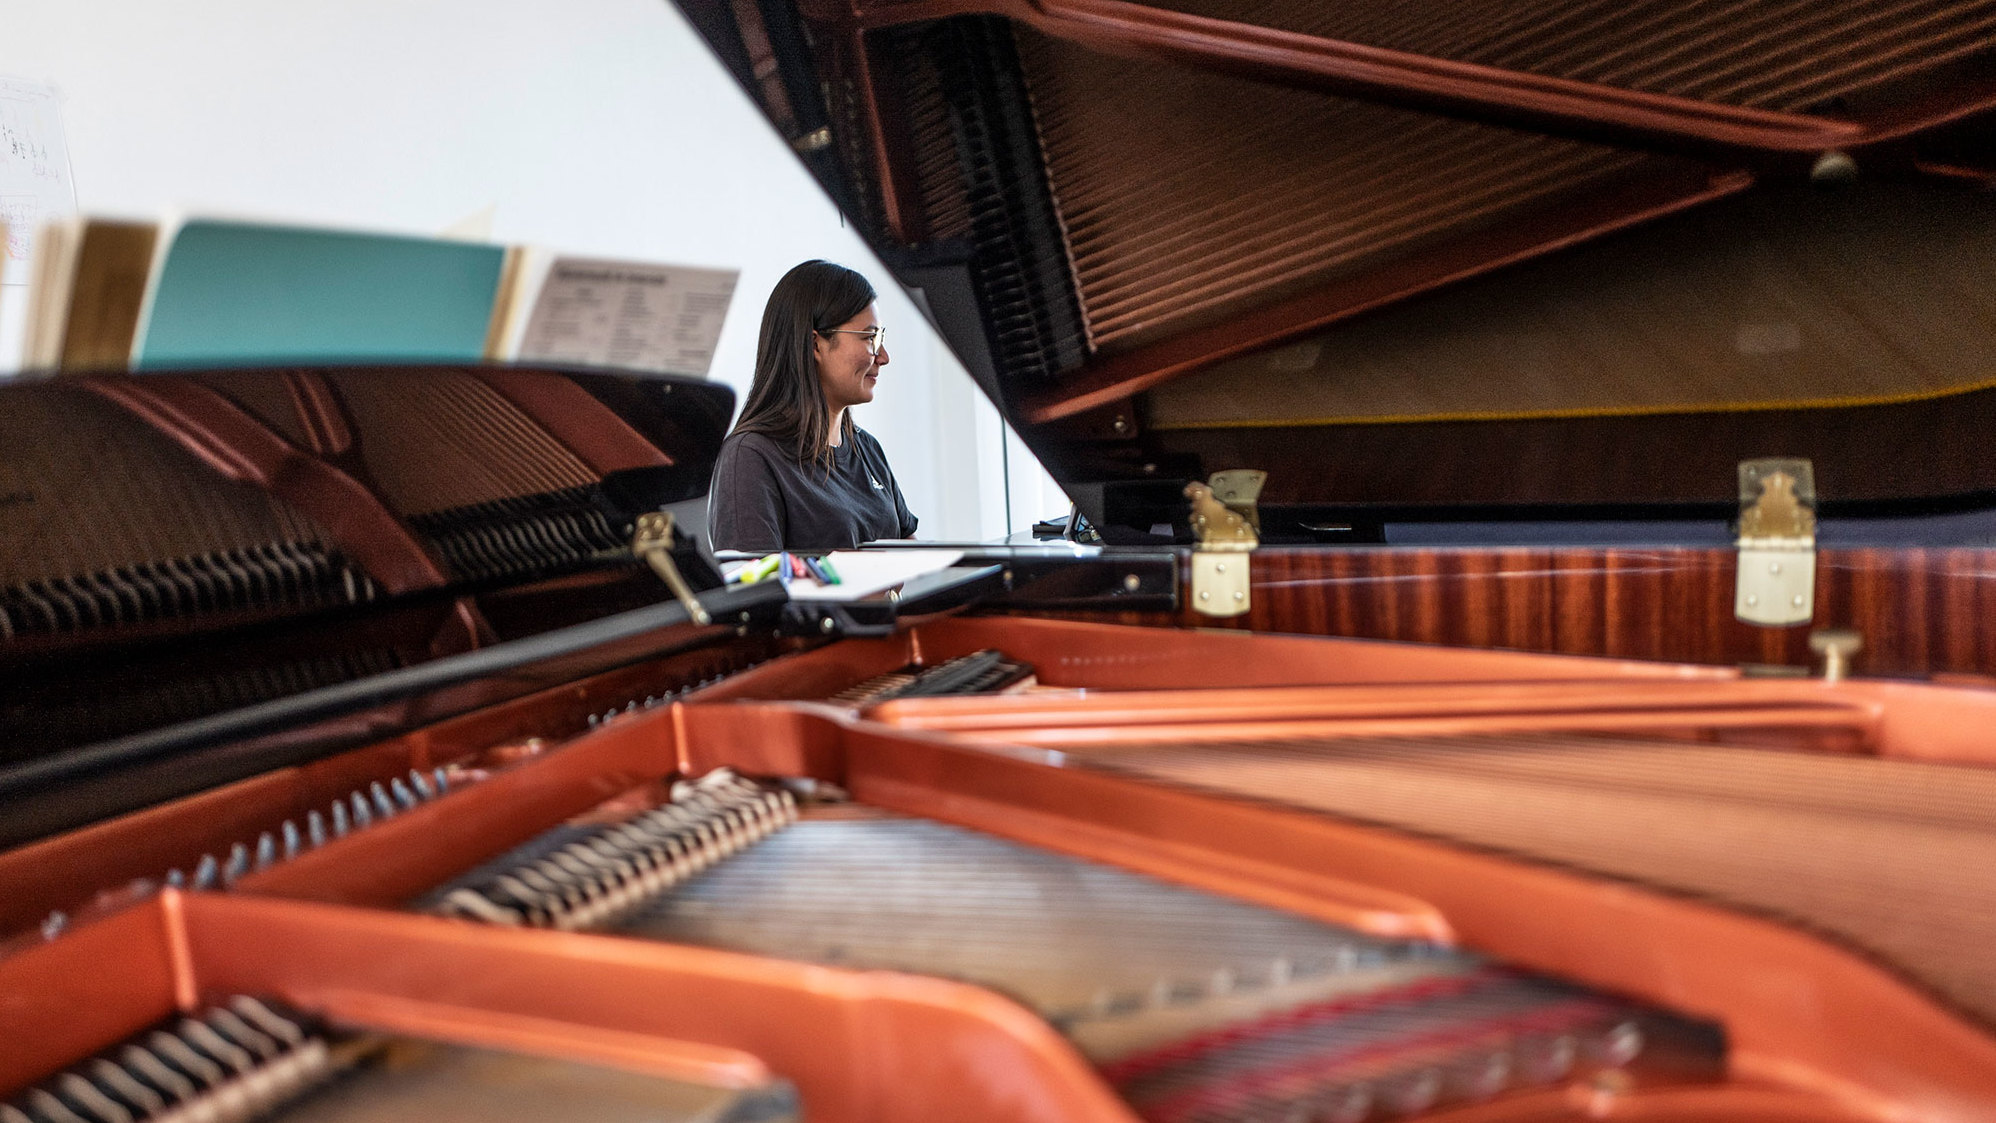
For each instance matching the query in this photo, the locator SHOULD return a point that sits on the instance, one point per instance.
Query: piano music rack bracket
(1775, 584)
(1225, 521)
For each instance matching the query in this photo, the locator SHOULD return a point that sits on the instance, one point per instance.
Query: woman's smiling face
(848, 364)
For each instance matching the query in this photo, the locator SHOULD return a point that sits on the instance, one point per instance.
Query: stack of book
(201, 292)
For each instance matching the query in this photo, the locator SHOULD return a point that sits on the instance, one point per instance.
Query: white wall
(598, 126)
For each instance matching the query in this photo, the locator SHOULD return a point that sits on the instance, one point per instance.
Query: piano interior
(1085, 877)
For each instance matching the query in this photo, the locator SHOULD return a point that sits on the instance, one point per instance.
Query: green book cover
(238, 293)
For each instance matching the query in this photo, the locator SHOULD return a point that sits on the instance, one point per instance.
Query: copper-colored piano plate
(1111, 657)
(1798, 1011)
(858, 1046)
(1664, 701)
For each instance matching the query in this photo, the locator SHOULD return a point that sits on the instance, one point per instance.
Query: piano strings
(246, 1059)
(1196, 1008)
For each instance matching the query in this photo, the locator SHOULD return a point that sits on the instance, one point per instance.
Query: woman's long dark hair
(786, 402)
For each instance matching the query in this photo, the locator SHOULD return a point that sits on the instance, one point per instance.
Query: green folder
(238, 293)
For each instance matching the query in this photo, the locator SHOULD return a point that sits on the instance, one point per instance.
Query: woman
(796, 473)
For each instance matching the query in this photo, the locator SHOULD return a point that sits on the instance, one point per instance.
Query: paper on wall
(628, 315)
(35, 183)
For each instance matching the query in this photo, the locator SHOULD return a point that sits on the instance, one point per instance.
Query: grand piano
(1521, 650)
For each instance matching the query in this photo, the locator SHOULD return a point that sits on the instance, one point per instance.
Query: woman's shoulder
(761, 446)
(866, 441)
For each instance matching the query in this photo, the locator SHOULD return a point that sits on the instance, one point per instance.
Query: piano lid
(1438, 260)
(174, 546)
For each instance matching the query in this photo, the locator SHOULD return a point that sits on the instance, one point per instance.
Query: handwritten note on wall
(34, 170)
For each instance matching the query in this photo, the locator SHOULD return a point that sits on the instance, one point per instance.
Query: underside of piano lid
(1432, 261)
(183, 557)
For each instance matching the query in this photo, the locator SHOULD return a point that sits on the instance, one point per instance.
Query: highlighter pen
(759, 569)
(824, 570)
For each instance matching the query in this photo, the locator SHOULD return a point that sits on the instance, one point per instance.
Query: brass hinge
(1776, 582)
(652, 542)
(1220, 560)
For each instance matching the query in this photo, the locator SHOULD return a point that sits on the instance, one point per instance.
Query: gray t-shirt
(763, 501)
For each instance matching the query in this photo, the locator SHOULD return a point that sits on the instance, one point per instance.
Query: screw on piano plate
(1131, 583)
(1837, 646)
(238, 864)
(1545, 1060)
(1416, 1093)
(826, 625)
(1833, 169)
(1620, 1045)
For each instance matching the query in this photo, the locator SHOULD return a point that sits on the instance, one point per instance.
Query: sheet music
(628, 315)
(34, 171)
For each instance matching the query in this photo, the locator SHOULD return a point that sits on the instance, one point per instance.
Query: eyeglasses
(876, 337)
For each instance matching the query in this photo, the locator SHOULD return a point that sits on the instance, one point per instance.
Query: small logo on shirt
(874, 482)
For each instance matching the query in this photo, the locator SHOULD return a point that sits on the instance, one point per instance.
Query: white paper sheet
(34, 171)
(628, 315)
(865, 572)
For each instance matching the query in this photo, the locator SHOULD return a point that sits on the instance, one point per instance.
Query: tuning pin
(50, 1109)
(237, 1031)
(54, 923)
(362, 817)
(267, 1020)
(292, 842)
(175, 879)
(266, 850)
(404, 798)
(339, 819)
(206, 872)
(442, 778)
(204, 1038)
(422, 785)
(156, 1072)
(128, 1088)
(315, 829)
(383, 806)
(183, 1056)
